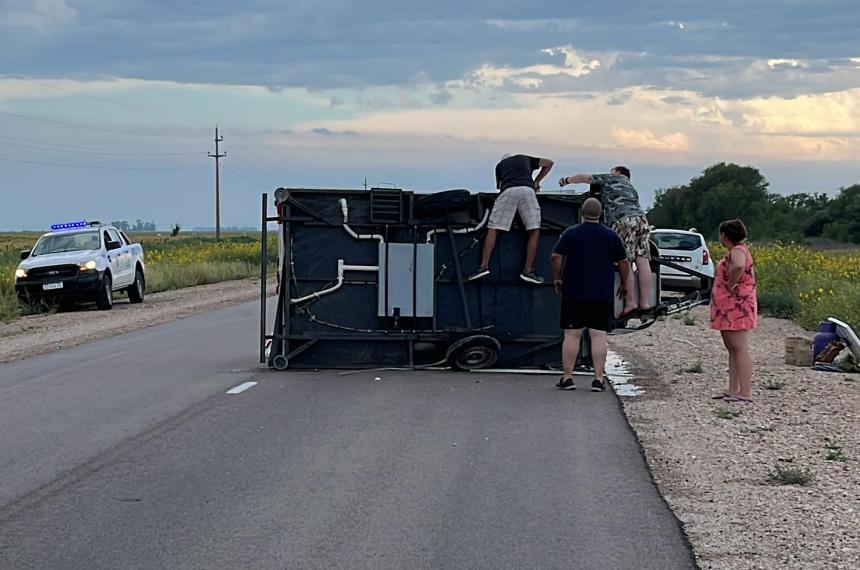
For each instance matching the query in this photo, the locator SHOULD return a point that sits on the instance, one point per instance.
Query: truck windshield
(60, 243)
(681, 242)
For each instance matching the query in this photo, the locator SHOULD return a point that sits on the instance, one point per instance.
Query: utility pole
(217, 158)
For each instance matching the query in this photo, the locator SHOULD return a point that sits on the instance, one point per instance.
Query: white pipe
(431, 233)
(345, 210)
(341, 268)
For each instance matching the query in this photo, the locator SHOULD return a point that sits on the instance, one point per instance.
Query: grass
(775, 384)
(689, 320)
(834, 451)
(693, 368)
(724, 413)
(171, 262)
(790, 476)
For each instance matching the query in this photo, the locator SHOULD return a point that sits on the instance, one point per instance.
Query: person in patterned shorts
(625, 216)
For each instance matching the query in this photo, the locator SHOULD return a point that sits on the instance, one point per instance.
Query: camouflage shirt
(620, 199)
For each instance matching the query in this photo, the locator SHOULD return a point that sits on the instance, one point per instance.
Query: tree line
(725, 191)
(138, 226)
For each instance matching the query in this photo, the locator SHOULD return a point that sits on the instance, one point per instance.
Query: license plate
(49, 286)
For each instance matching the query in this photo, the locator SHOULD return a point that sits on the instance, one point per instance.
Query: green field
(171, 262)
(794, 281)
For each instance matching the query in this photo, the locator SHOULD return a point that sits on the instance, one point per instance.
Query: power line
(94, 152)
(265, 150)
(102, 167)
(233, 170)
(251, 168)
(91, 128)
(248, 174)
(97, 98)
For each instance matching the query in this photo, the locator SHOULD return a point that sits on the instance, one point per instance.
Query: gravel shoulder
(714, 472)
(39, 334)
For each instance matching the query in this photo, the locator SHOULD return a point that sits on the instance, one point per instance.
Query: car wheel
(104, 298)
(136, 289)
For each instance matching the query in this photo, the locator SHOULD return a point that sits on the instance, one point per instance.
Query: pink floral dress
(734, 310)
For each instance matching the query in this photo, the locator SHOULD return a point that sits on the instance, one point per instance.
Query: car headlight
(87, 266)
(20, 274)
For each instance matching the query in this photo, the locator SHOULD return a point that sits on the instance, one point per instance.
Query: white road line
(241, 388)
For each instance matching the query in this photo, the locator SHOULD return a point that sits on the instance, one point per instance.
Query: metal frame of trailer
(374, 278)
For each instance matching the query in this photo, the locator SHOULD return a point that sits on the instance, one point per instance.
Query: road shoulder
(40, 334)
(713, 468)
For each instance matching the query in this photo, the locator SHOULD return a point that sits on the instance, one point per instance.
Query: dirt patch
(713, 466)
(38, 334)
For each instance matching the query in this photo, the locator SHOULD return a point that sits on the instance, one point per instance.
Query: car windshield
(682, 242)
(60, 242)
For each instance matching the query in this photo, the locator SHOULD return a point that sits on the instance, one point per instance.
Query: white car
(81, 261)
(688, 249)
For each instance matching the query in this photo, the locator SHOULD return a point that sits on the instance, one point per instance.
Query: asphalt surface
(129, 453)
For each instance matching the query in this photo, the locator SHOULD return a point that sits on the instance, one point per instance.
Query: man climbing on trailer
(583, 269)
(625, 216)
(517, 191)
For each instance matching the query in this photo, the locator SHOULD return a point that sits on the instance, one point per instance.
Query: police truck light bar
(69, 226)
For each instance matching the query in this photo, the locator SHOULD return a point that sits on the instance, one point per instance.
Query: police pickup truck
(81, 261)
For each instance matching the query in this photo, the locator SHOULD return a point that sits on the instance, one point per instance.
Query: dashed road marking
(241, 388)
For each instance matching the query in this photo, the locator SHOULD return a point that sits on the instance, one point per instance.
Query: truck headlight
(20, 274)
(89, 265)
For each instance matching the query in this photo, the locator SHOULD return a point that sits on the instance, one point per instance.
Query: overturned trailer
(371, 278)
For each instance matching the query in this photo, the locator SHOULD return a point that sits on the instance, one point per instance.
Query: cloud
(792, 63)
(645, 139)
(335, 102)
(40, 16)
(619, 99)
(441, 97)
(327, 132)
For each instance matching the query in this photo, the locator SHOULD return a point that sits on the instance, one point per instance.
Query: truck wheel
(135, 290)
(104, 298)
(474, 352)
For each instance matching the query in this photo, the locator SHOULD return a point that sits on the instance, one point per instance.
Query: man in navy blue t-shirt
(583, 267)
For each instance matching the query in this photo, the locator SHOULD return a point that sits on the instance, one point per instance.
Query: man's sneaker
(598, 385)
(481, 272)
(531, 277)
(565, 384)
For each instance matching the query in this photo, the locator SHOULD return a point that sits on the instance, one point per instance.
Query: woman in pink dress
(734, 309)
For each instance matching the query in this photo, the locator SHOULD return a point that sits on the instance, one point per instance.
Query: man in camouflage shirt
(625, 216)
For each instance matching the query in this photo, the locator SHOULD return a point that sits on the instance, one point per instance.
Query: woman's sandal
(721, 396)
(737, 399)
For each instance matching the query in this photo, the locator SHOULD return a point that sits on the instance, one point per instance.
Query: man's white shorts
(520, 199)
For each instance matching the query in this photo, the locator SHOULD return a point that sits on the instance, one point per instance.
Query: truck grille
(53, 272)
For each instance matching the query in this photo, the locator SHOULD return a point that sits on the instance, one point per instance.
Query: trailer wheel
(474, 352)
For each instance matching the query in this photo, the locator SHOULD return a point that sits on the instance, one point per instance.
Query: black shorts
(580, 314)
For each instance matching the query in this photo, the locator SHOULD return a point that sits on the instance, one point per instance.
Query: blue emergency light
(69, 226)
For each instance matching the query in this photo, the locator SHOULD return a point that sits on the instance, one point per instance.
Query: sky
(108, 107)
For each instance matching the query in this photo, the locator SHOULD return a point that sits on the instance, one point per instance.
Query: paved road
(145, 462)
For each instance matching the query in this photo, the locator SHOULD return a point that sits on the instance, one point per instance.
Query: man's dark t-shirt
(591, 251)
(516, 171)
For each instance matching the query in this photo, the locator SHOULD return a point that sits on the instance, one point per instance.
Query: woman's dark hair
(734, 230)
(622, 170)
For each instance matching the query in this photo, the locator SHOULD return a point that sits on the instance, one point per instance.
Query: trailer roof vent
(386, 206)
